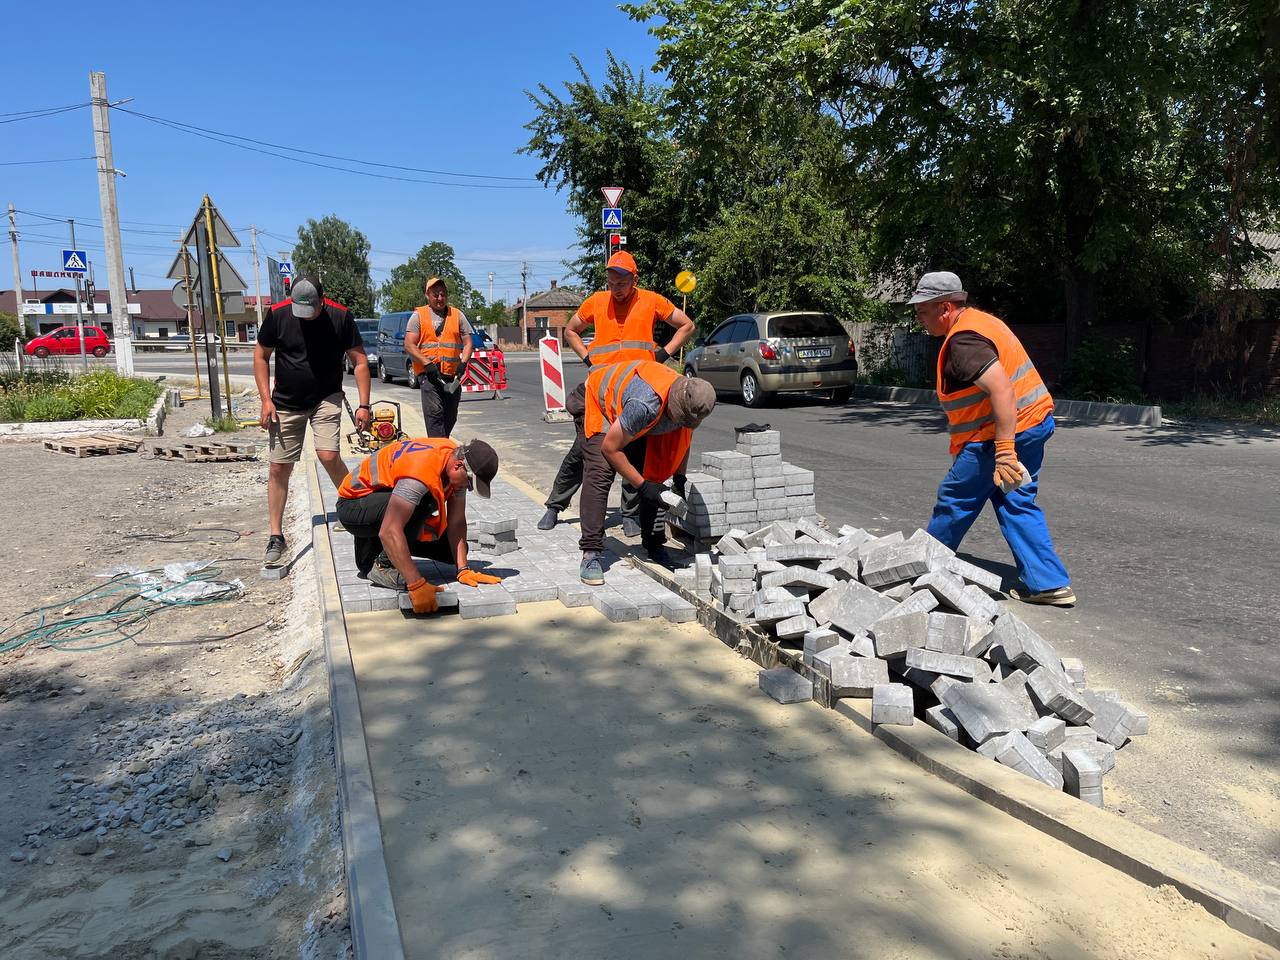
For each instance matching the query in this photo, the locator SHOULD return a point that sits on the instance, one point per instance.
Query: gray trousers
(439, 409)
(569, 477)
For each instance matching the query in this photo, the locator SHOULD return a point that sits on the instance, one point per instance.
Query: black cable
(328, 156)
(37, 114)
(195, 132)
(27, 163)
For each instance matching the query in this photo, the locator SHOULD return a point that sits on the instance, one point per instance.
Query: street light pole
(84, 357)
(111, 224)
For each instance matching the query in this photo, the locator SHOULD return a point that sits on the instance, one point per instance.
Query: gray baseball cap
(307, 297)
(938, 286)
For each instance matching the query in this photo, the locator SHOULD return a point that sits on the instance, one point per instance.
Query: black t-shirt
(968, 356)
(308, 353)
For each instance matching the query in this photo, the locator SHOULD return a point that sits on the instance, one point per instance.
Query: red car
(64, 340)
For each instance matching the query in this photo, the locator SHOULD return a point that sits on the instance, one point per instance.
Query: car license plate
(814, 353)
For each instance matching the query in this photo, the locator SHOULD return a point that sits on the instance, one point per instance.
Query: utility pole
(84, 357)
(490, 280)
(17, 273)
(524, 302)
(111, 224)
(257, 279)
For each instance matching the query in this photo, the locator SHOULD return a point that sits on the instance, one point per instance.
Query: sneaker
(591, 571)
(658, 554)
(549, 519)
(630, 527)
(1061, 597)
(387, 577)
(275, 550)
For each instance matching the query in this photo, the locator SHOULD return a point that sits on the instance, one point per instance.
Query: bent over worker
(409, 499)
(624, 318)
(639, 423)
(438, 341)
(1000, 416)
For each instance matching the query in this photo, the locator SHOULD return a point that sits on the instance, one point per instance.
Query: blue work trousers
(969, 484)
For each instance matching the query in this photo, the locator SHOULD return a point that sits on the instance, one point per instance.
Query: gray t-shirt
(437, 321)
(640, 404)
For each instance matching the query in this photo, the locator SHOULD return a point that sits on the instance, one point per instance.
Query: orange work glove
(473, 578)
(1008, 473)
(423, 595)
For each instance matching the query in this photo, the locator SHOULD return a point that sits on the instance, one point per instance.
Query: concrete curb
(375, 929)
(1084, 411)
(152, 425)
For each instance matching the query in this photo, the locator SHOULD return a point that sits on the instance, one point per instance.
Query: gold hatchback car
(757, 355)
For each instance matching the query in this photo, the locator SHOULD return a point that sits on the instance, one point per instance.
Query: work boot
(275, 550)
(591, 571)
(658, 554)
(387, 577)
(549, 519)
(630, 527)
(1061, 597)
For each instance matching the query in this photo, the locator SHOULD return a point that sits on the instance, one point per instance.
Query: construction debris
(899, 619)
(205, 451)
(93, 445)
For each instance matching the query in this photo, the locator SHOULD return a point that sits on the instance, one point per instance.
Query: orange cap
(433, 281)
(623, 261)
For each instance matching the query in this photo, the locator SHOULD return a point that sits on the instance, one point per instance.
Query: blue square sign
(612, 218)
(74, 261)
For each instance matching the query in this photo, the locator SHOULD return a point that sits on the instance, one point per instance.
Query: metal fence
(896, 355)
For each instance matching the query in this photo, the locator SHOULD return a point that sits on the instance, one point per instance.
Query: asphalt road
(1172, 541)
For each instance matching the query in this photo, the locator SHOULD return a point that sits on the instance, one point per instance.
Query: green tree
(613, 135)
(9, 330)
(405, 288)
(495, 312)
(339, 254)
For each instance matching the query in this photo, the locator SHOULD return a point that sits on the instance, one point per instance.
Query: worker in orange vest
(409, 499)
(999, 415)
(639, 422)
(624, 318)
(438, 341)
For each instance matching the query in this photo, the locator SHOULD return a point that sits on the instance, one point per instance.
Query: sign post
(611, 221)
(75, 262)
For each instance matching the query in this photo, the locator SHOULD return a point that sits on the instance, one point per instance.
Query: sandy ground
(241, 854)
(549, 788)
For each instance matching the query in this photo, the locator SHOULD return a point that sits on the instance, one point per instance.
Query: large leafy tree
(1073, 158)
(405, 288)
(339, 254)
(614, 134)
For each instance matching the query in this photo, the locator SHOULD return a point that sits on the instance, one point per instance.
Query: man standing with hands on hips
(1000, 416)
(309, 336)
(438, 339)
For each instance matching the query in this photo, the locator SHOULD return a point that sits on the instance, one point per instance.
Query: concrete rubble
(898, 619)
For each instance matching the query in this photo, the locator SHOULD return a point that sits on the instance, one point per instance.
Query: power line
(23, 163)
(221, 138)
(37, 114)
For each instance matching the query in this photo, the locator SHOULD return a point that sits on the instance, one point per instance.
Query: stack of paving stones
(541, 565)
(743, 488)
(905, 622)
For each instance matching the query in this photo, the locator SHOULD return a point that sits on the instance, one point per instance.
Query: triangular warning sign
(74, 262)
(612, 194)
(612, 219)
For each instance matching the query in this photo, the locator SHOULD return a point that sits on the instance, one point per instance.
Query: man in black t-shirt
(309, 336)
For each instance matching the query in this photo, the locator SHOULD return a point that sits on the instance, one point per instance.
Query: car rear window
(805, 325)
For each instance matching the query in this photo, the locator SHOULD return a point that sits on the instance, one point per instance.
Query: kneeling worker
(639, 423)
(408, 500)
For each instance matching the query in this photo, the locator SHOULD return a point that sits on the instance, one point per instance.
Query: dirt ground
(172, 795)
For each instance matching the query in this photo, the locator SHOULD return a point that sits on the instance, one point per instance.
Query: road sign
(179, 296)
(286, 268)
(612, 217)
(74, 261)
(612, 195)
(222, 233)
(686, 281)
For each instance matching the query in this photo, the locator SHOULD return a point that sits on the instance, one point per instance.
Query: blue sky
(428, 85)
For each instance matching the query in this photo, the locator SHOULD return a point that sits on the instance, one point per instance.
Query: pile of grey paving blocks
(739, 489)
(541, 565)
(905, 622)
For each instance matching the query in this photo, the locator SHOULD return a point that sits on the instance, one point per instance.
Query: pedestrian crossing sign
(612, 217)
(73, 261)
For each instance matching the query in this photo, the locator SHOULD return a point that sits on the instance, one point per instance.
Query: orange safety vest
(605, 385)
(969, 412)
(421, 460)
(445, 349)
(632, 339)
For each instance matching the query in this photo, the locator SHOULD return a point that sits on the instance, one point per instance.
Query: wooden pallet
(205, 452)
(93, 445)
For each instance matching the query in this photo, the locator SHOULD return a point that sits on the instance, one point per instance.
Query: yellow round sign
(686, 281)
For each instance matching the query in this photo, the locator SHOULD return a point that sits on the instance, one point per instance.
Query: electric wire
(27, 163)
(38, 114)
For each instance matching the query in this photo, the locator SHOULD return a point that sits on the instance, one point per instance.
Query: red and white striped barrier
(552, 374)
(486, 371)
